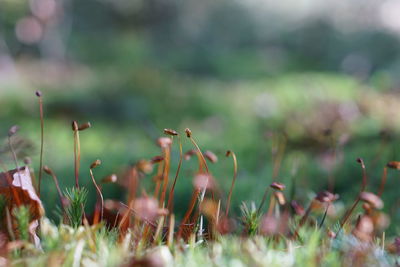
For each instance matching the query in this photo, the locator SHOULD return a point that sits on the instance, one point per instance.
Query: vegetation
(291, 157)
(148, 229)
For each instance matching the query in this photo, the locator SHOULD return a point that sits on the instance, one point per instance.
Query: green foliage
(250, 218)
(77, 200)
(22, 217)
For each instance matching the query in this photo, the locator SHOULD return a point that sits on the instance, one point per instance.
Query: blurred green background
(253, 76)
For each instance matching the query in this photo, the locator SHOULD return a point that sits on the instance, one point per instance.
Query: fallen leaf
(18, 189)
(21, 183)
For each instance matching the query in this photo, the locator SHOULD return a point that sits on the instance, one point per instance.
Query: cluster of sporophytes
(145, 231)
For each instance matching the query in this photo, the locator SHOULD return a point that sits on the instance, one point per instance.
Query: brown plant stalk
(39, 95)
(50, 172)
(170, 202)
(228, 203)
(77, 153)
(363, 186)
(383, 182)
(167, 159)
(95, 217)
(196, 192)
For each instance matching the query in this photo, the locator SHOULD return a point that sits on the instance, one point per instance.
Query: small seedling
(21, 214)
(77, 199)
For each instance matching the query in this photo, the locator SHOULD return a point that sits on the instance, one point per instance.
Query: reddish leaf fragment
(26, 192)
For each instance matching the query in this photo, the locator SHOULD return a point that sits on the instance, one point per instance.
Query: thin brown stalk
(264, 198)
(125, 220)
(170, 239)
(231, 153)
(197, 193)
(305, 216)
(171, 192)
(186, 217)
(158, 179)
(324, 217)
(77, 147)
(383, 182)
(363, 186)
(200, 154)
(39, 95)
(217, 213)
(167, 155)
(203, 160)
(99, 193)
(76, 152)
(116, 219)
(60, 194)
(159, 229)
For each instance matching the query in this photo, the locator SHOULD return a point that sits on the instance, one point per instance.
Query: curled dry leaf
(18, 184)
(25, 192)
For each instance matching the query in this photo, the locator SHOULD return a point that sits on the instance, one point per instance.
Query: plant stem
(171, 192)
(41, 142)
(15, 160)
(324, 217)
(167, 155)
(383, 182)
(263, 201)
(77, 158)
(99, 193)
(60, 194)
(233, 180)
(363, 186)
